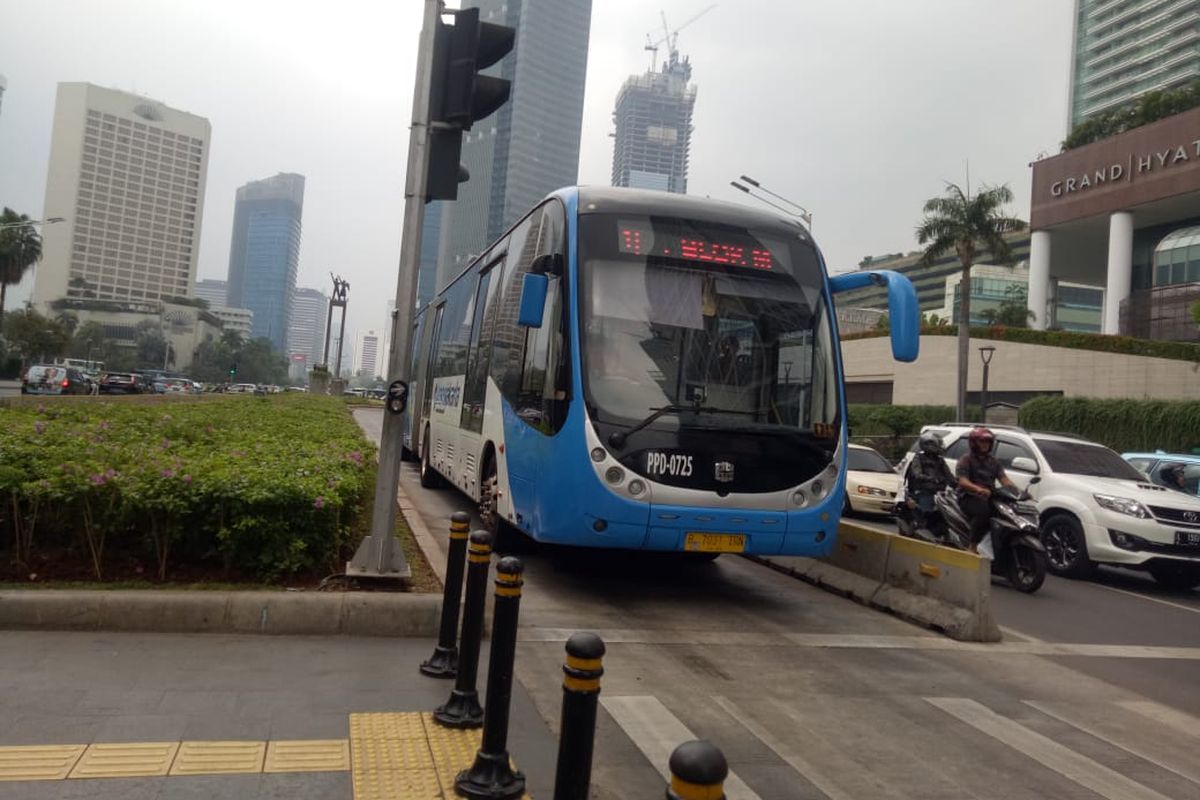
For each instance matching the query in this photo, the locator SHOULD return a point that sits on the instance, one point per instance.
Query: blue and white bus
(643, 370)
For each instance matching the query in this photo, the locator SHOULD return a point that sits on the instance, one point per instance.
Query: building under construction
(653, 118)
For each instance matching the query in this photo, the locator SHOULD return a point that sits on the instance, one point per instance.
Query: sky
(858, 110)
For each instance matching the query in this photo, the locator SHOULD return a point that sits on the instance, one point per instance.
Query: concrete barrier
(280, 613)
(941, 588)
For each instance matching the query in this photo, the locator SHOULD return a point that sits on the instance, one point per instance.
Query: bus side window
(508, 339)
(475, 386)
(542, 398)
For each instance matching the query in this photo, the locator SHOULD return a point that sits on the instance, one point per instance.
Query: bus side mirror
(904, 313)
(533, 300)
(547, 264)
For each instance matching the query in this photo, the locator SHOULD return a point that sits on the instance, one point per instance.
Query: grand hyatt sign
(1116, 172)
(1150, 163)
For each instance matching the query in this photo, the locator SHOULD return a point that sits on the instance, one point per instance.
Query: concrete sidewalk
(84, 688)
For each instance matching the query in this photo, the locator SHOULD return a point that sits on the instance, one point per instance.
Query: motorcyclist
(1174, 476)
(927, 474)
(978, 471)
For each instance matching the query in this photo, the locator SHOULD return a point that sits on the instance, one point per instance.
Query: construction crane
(669, 38)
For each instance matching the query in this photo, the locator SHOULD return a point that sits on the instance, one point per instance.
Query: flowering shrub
(262, 486)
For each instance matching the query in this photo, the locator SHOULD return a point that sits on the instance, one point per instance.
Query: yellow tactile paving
(38, 762)
(312, 755)
(126, 760)
(369, 755)
(399, 725)
(219, 758)
(453, 751)
(419, 784)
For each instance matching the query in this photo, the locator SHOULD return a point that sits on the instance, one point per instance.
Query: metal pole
(462, 710)
(491, 776)
(444, 661)
(577, 730)
(341, 341)
(376, 555)
(983, 395)
(328, 334)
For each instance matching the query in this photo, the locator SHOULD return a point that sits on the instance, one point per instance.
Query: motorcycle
(1012, 542)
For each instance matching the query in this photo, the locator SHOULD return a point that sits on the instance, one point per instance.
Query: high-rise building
(127, 173)
(264, 255)
(306, 333)
(367, 346)
(427, 268)
(653, 117)
(529, 147)
(216, 292)
(1125, 48)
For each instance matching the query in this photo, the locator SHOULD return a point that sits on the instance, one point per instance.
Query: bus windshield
(705, 316)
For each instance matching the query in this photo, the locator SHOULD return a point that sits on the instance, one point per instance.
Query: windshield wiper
(617, 438)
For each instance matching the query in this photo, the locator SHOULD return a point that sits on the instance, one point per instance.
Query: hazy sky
(856, 109)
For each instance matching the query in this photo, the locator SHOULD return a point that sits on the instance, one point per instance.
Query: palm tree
(967, 225)
(20, 249)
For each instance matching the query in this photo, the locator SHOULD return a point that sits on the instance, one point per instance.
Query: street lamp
(804, 214)
(986, 352)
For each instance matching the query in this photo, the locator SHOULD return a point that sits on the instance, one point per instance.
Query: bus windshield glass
(707, 316)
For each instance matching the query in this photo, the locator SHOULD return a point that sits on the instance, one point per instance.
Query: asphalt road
(9, 388)
(810, 695)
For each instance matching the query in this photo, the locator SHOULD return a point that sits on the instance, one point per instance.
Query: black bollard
(462, 710)
(492, 777)
(444, 661)
(577, 733)
(698, 772)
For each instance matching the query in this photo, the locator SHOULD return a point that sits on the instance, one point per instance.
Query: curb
(271, 613)
(945, 590)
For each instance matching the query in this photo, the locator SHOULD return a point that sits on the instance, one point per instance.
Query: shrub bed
(247, 487)
(1123, 425)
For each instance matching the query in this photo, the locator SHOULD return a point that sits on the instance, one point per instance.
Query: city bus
(643, 370)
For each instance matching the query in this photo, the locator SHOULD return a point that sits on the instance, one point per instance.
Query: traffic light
(232, 370)
(459, 95)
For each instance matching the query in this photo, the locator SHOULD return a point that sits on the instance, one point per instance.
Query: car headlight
(872, 491)
(1122, 505)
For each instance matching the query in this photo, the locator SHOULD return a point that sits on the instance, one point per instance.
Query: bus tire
(430, 479)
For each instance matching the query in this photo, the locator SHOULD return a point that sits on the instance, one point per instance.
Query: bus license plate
(1188, 538)
(715, 542)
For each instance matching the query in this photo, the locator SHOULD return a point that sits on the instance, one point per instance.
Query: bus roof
(610, 200)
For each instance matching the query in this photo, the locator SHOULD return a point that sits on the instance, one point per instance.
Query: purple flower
(99, 479)
(110, 473)
(40, 427)
(209, 429)
(166, 443)
(319, 502)
(41, 409)
(168, 473)
(104, 425)
(187, 478)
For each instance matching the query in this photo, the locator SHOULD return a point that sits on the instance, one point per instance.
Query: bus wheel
(429, 477)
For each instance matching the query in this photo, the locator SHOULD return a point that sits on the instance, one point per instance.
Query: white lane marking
(784, 751)
(657, 732)
(1154, 756)
(1158, 600)
(1165, 715)
(1047, 752)
(866, 642)
(1010, 633)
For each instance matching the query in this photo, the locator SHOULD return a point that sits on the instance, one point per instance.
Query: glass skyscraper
(1125, 48)
(264, 255)
(530, 147)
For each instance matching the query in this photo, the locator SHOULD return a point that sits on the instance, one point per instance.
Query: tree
(152, 349)
(1013, 310)
(34, 337)
(956, 221)
(20, 249)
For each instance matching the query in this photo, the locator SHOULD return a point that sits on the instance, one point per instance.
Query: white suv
(1094, 507)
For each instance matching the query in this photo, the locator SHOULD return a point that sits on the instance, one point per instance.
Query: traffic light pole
(378, 555)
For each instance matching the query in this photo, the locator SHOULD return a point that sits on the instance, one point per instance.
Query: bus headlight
(614, 475)
(799, 498)
(817, 488)
(636, 487)
(598, 454)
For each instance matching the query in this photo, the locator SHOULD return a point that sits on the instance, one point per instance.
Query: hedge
(1123, 425)
(876, 420)
(1126, 345)
(267, 487)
